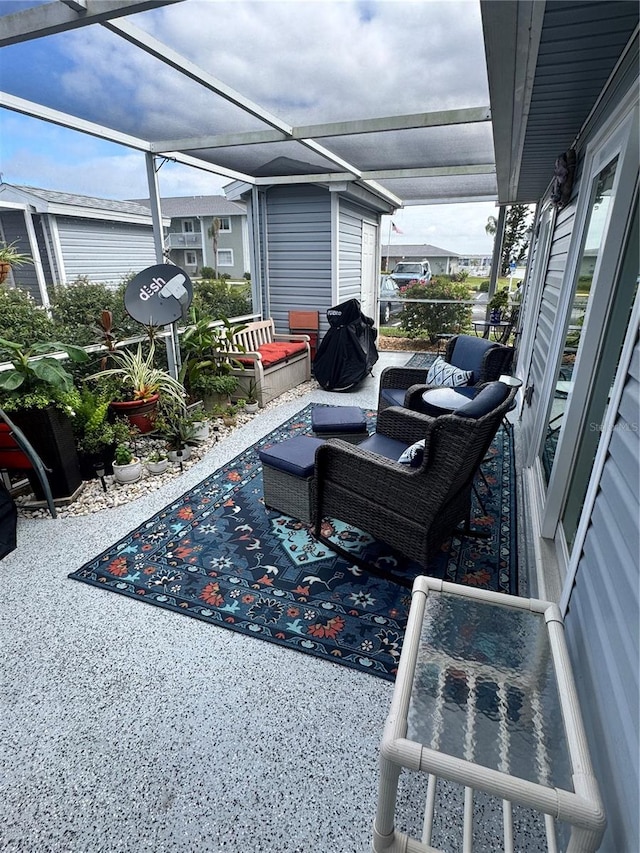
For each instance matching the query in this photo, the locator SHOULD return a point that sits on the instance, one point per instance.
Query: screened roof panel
(452, 145)
(453, 188)
(274, 159)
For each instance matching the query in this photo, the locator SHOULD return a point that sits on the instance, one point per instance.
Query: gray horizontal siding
(602, 624)
(298, 237)
(350, 253)
(13, 229)
(104, 251)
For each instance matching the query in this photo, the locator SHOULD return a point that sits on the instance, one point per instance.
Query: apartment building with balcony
(189, 240)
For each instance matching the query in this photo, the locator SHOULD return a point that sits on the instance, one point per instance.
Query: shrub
(208, 273)
(76, 310)
(219, 299)
(433, 319)
(21, 319)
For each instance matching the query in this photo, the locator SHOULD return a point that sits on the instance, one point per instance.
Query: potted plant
(207, 366)
(156, 462)
(252, 405)
(127, 468)
(176, 426)
(498, 305)
(96, 435)
(11, 257)
(35, 391)
(143, 383)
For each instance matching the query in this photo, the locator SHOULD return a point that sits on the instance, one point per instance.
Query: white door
(369, 274)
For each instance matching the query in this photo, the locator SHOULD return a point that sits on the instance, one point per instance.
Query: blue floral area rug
(216, 554)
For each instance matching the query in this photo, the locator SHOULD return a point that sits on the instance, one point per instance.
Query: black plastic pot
(51, 434)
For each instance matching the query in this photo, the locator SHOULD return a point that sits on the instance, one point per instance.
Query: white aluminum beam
(58, 17)
(341, 128)
(383, 174)
(30, 108)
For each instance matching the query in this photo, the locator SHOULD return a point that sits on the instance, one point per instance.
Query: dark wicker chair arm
(402, 377)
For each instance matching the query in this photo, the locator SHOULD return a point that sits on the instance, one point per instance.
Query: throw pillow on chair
(442, 373)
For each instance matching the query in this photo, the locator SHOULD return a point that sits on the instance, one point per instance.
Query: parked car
(389, 304)
(405, 272)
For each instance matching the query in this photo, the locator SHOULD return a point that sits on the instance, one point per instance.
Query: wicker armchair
(412, 509)
(486, 359)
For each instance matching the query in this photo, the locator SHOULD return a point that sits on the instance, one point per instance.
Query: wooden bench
(274, 362)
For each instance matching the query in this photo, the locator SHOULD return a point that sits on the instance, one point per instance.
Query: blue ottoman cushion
(338, 419)
(394, 396)
(295, 455)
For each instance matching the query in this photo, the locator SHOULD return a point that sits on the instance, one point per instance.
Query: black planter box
(51, 434)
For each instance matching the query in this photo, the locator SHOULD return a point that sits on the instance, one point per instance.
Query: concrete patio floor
(128, 728)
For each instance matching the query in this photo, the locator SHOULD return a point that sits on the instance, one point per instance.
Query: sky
(384, 58)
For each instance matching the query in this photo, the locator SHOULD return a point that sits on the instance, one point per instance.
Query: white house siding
(298, 238)
(351, 219)
(104, 251)
(602, 624)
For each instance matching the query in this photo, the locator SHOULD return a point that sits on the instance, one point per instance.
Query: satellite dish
(159, 295)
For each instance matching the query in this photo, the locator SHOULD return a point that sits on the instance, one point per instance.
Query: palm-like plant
(141, 377)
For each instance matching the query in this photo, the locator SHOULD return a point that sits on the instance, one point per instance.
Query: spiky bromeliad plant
(139, 375)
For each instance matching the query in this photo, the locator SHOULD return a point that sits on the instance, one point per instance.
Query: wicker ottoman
(345, 422)
(287, 475)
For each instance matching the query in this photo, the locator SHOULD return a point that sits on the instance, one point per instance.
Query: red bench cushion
(276, 352)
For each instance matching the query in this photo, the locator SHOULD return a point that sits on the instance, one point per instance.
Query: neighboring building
(476, 265)
(318, 246)
(188, 239)
(70, 236)
(442, 261)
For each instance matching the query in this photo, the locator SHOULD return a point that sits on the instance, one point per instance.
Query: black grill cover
(348, 350)
(8, 521)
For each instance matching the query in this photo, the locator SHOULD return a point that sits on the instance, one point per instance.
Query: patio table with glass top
(485, 698)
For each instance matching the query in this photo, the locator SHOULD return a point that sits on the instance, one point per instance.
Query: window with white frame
(190, 259)
(225, 257)
(187, 226)
(225, 224)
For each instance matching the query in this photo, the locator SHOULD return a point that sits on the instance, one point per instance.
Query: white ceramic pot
(157, 467)
(185, 454)
(201, 430)
(251, 408)
(129, 473)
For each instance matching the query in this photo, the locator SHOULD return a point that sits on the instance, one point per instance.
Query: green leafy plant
(93, 431)
(499, 300)
(430, 320)
(176, 426)
(21, 319)
(9, 254)
(139, 375)
(156, 456)
(35, 379)
(123, 455)
(206, 354)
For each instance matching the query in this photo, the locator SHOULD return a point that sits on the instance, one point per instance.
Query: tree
(214, 228)
(517, 231)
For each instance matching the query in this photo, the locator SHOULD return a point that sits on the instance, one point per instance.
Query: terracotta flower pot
(140, 413)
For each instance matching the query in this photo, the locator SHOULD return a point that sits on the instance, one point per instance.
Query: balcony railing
(180, 240)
